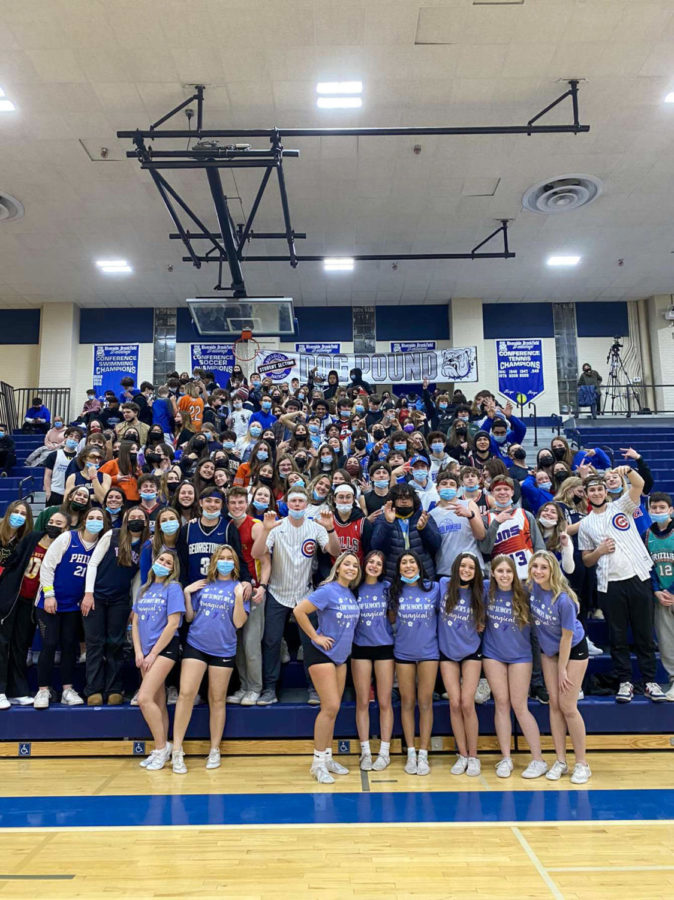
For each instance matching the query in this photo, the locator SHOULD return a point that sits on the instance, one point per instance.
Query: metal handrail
(535, 418)
(31, 494)
(57, 401)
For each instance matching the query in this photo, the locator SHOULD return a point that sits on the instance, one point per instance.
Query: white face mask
(548, 523)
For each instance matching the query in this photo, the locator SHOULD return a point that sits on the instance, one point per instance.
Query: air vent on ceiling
(10, 208)
(562, 194)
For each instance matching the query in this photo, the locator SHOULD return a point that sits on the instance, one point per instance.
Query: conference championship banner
(520, 369)
(111, 363)
(457, 364)
(215, 358)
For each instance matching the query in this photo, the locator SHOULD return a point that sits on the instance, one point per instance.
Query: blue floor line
(573, 805)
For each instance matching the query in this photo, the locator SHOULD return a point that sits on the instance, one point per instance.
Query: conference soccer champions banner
(520, 368)
(215, 358)
(457, 364)
(112, 362)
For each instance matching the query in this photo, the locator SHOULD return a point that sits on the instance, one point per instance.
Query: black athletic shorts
(313, 656)
(220, 662)
(384, 651)
(476, 656)
(580, 650)
(172, 649)
(412, 662)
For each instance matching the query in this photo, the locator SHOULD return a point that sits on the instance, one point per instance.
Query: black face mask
(135, 526)
(130, 436)
(171, 486)
(199, 445)
(115, 454)
(377, 435)
(76, 506)
(403, 510)
(300, 462)
(558, 452)
(359, 444)
(300, 438)
(460, 432)
(155, 438)
(153, 457)
(520, 454)
(133, 457)
(265, 480)
(53, 531)
(545, 460)
(561, 476)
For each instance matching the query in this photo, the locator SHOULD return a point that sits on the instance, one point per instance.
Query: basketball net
(245, 348)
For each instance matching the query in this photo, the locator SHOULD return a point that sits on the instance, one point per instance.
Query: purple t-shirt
(458, 636)
(416, 634)
(503, 638)
(153, 609)
(212, 629)
(550, 618)
(373, 628)
(338, 613)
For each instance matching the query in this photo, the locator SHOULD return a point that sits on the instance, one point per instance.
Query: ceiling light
(7, 106)
(339, 102)
(670, 98)
(339, 87)
(563, 260)
(338, 264)
(113, 266)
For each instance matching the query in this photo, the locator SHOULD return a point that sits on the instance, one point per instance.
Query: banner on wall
(520, 369)
(111, 363)
(411, 346)
(457, 364)
(215, 358)
(324, 347)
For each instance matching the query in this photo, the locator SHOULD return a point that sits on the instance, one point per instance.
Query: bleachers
(9, 487)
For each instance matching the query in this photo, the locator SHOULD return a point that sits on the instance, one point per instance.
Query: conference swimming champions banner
(111, 363)
(458, 364)
(215, 358)
(520, 369)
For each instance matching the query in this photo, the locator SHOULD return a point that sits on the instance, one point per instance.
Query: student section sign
(112, 362)
(520, 369)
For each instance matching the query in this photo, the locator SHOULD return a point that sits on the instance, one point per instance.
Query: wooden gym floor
(260, 827)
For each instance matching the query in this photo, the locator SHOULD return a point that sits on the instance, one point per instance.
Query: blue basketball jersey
(69, 575)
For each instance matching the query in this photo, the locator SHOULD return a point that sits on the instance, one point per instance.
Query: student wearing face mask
(87, 474)
(505, 428)
(439, 458)
(356, 379)
(589, 393)
(56, 465)
(422, 482)
(239, 417)
(151, 501)
(459, 524)
(248, 472)
(264, 415)
(53, 440)
(113, 504)
(353, 530)
(438, 411)
(372, 501)
(518, 469)
(659, 540)
(537, 489)
(106, 606)
(62, 587)
(481, 451)
(164, 411)
(552, 524)
(404, 525)
(165, 537)
(471, 489)
(125, 470)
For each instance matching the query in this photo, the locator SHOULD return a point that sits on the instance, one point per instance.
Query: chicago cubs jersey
(616, 522)
(292, 549)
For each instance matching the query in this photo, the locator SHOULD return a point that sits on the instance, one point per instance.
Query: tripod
(619, 388)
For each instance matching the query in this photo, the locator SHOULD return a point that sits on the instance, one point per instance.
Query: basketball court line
(538, 865)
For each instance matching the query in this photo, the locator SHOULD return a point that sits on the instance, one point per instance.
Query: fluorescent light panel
(113, 266)
(338, 264)
(339, 94)
(563, 260)
(670, 98)
(5, 105)
(339, 87)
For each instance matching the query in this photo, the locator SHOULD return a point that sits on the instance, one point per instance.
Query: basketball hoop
(246, 353)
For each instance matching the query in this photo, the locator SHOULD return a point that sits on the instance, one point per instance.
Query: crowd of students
(408, 535)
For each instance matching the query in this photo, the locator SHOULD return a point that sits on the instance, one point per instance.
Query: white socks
(423, 754)
(319, 757)
(365, 748)
(384, 748)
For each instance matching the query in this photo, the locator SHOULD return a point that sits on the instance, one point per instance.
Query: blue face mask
(16, 520)
(145, 495)
(71, 444)
(314, 429)
(545, 485)
(503, 504)
(660, 518)
(262, 455)
(94, 526)
(299, 482)
(228, 445)
(210, 515)
(58, 424)
(266, 405)
(411, 580)
(170, 526)
(260, 506)
(296, 513)
(381, 483)
(401, 448)
(447, 493)
(256, 432)
(160, 570)
(113, 512)
(499, 438)
(442, 406)
(616, 490)
(317, 497)
(437, 448)
(326, 460)
(471, 490)
(225, 566)
(359, 409)
(420, 475)
(344, 508)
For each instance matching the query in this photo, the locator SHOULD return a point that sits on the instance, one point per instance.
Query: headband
(344, 487)
(292, 493)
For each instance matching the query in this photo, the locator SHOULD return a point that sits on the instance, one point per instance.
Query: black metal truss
(229, 243)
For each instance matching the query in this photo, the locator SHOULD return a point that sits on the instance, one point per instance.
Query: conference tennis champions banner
(457, 364)
(520, 369)
(215, 358)
(111, 363)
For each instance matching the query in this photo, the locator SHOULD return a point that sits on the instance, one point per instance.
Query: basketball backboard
(228, 317)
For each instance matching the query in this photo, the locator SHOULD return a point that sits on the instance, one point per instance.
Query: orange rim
(253, 348)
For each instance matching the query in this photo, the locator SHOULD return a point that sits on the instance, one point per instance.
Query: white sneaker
(592, 649)
(134, 700)
(411, 764)
(42, 699)
(336, 768)
(365, 762)
(504, 768)
(474, 767)
(285, 653)
(654, 692)
(321, 774)
(237, 696)
(581, 773)
(598, 615)
(172, 696)
(381, 763)
(483, 692)
(581, 694)
(153, 754)
(423, 766)
(82, 658)
(4, 702)
(70, 697)
(19, 701)
(460, 765)
(670, 693)
(556, 770)
(625, 692)
(160, 758)
(178, 762)
(213, 760)
(300, 653)
(535, 769)
(250, 698)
